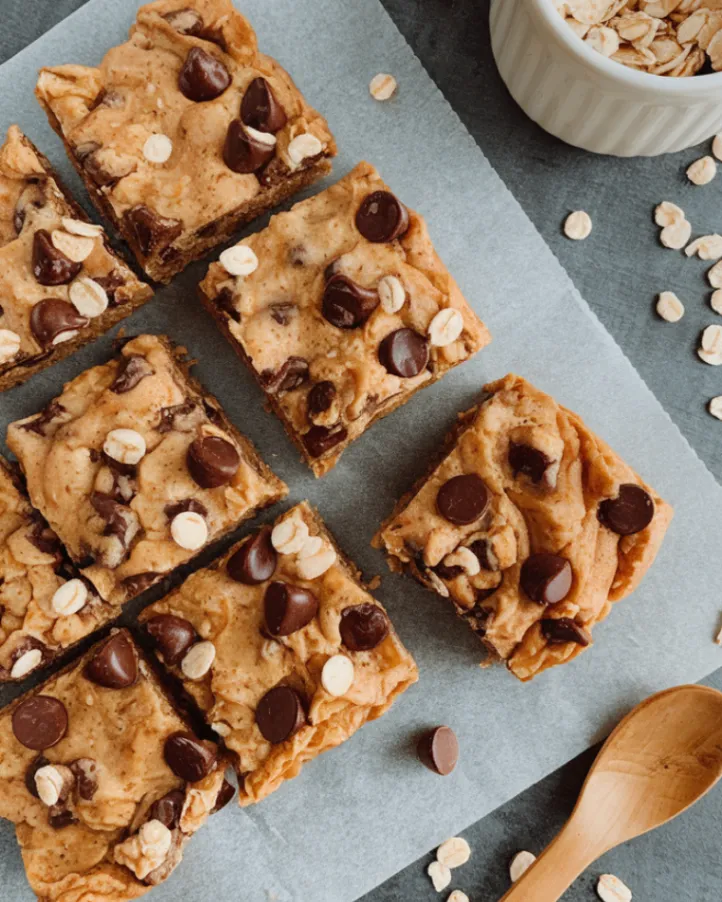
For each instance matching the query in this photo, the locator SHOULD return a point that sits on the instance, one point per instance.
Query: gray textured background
(619, 270)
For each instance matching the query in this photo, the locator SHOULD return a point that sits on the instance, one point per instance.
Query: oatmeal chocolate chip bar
(137, 469)
(530, 524)
(186, 131)
(282, 648)
(103, 779)
(61, 285)
(342, 310)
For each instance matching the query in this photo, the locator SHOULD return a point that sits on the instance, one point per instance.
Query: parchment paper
(361, 812)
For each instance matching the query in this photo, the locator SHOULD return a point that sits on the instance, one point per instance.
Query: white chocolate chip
(464, 558)
(445, 327)
(667, 214)
(458, 896)
(715, 302)
(70, 598)
(611, 889)
(75, 247)
(714, 276)
(49, 782)
(261, 137)
(676, 235)
(88, 297)
(26, 663)
(79, 227)
(158, 148)
(382, 86)
(337, 675)
(520, 864)
(440, 875)
(717, 146)
(302, 147)
(708, 247)
(392, 294)
(189, 530)
(9, 345)
(317, 564)
(239, 260)
(198, 660)
(578, 225)
(125, 445)
(715, 407)
(311, 546)
(222, 728)
(289, 536)
(701, 172)
(669, 307)
(454, 852)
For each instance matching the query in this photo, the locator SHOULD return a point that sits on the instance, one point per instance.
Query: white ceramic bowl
(590, 101)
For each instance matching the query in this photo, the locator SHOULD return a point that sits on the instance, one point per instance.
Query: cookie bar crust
(549, 527)
(51, 303)
(266, 623)
(90, 774)
(185, 132)
(151, 469)
(340, 329)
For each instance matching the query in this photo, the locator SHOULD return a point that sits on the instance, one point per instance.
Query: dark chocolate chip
(225, 794)
(188, 757)
(225, 301)
(94, 164)
(60, 817)
(320, 439)
(185, 21)
(33, 768)
(171, 417)
(168, 809)
(485, 555)
(51, 412)
(139, 582)
(51, 266)
(630, 512)
(255, 561)
(53, 316)
(113, 512)
(479, 616)
(131, 370)
(44, 539)
(202, 76)
(444, 571)
(85, 771)
(260, 109)
(173, 636)
(463, 499)
(114, 665)
(180, 507)
(562, 630)
(280, 714)
(40, 722)
(404, 353)
(529, 461)
(151, 231)
(439, 750)
(347, 305)
(289, 377)
(111, 283)
(363, 627)
(283, 313)
(212, 461)
(321, 397)
(382, 217)
(288, 608)
(546, 578)
(245, 153)
(32, 196)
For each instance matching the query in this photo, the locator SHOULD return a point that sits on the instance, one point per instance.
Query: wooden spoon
(663, 757)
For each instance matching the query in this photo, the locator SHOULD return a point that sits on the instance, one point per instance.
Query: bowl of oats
(621, 77)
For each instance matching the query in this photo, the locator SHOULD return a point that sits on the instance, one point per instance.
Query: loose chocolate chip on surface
(40, 722)
(320, 439)
(260, 109)
(630, 512)
(439, 750)
(131, 370)
(382, 217)
(255, 561)
(404, 353)
(51, 266)
(212, 461)
(53, 316)
(115, 665)
(185, 21)
(347, 305)
(188, 757)
(151, 231)
(280, 714)
(321, 397)
(173, 636)
(288, 608)
(225, 794)
(244, 152)
(529, 461)
(202, 76)
(33, 768)
(463, 499)
(363, 627)
(546, 578)
(288, 377)
(168, 809)
(563, 629)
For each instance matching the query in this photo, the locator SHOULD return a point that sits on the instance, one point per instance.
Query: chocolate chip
(347, 305)
(558, 631)
(283, 313)
(60, 817)
(363, 627)
(463, 499)
(189, 758)
(32, 196)
(443, 571)
(320, 439)
(44, 539)
(139, 582)
(202, 76)
(280, 714)
(529, 461)
(404, 353)
(185, 21)
(173, 417)
(480, 617)
(382, 217)
(546, 578)
(288, 377)
(225, 794)
(51, 412)
(260, 109)
(151, 231)
(485, 555)
(40, 722)
(113, 512)
(33, 768)
(173, 636)
(111, 283)
(255, 561)
(321, 397)
(131, 370)
(180, 507)
(439, 750)
(288, 608)
(114, 665)
(85, 771)
(630, 512)
(53, 316)
(97, 166)
(168, 809)
(51, 266)
(225, 301)
(245, 153)
(212, 461)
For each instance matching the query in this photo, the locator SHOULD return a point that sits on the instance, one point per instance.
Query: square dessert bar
(186, 131)
(342, 310)
(530, 524)
(137, 469)
(61, 285)
(282, 648)
(103, 779)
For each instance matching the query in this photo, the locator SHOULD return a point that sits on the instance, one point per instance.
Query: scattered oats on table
(702, 171)
(708, 247)
(669, 307)
(454, 852)
(458, 896)
(611, 889)
(440, 875)
(578, 225)
(676, 228)
(710, 349)
(715, 301)
(715, 408)
(520, 864)
(383, 86)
